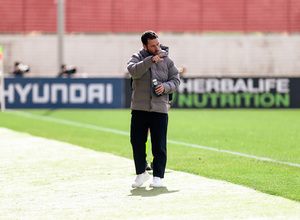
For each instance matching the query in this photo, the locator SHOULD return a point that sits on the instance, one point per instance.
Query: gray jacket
(143, 71)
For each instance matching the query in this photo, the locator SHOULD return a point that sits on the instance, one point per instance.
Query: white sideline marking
(235, 153)
(78, 124)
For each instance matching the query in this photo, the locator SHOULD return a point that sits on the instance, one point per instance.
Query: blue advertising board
(63, 93)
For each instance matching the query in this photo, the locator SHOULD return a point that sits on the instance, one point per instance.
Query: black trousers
(158, 124)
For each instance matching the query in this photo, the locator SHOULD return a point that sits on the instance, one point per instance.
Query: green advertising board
(238, 93)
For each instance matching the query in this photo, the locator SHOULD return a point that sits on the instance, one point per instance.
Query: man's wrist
(152, 59)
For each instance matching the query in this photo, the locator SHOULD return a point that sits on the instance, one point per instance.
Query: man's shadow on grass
(143, 192)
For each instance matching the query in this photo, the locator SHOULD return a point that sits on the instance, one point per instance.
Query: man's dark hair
(148, 35)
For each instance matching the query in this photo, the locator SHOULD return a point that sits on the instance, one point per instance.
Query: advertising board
(238, 93)
(63, 92)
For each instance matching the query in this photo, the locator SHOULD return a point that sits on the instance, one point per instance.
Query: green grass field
(272, 134)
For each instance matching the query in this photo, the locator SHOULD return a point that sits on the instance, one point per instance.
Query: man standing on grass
(150, 107)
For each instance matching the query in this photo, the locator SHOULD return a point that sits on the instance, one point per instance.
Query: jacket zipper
(150, 89)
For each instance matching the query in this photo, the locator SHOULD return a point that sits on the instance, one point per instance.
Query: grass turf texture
(274, 134)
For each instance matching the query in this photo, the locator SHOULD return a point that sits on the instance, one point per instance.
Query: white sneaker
(140, 180)
(157, 182)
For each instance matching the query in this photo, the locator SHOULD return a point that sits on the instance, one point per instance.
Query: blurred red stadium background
(130, 16)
